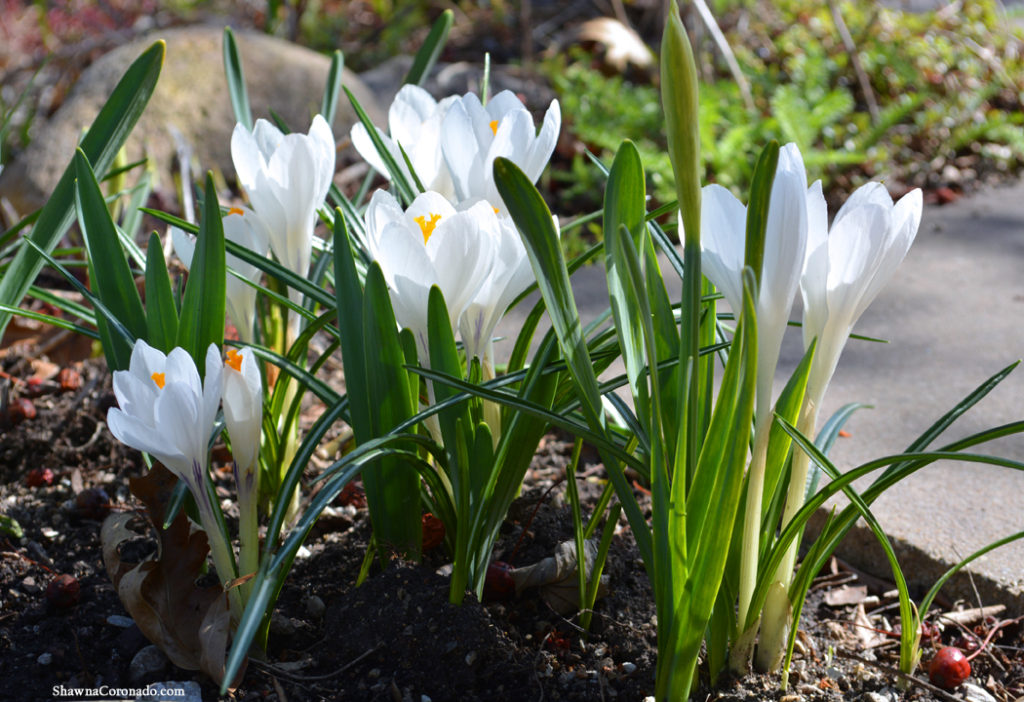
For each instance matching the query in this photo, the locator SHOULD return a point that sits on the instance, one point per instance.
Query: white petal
(184, 246)
(723, 226)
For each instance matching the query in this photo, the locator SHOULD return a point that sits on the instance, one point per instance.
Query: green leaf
(111, 278)
(203, 307)
(757, 209)
(10, 526)
(161, 314)
(332, 90)
(624, 216)
(427, 56)
(236, 80)
(104, 139)
(349, 301)
(392, 486)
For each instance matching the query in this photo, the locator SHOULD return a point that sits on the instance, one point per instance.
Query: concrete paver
(954, 315)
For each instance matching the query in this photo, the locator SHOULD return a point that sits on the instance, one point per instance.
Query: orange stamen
(427, 227)
(234, 360)
(158, 378)
(236, 210)
(494, 126)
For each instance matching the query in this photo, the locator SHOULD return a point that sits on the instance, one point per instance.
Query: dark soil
(396, 637)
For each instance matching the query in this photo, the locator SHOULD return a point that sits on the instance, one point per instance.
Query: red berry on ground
(92, 503)
(63, 591)
(433, 532)
(38, 477)
(949, 668)
(69, 379)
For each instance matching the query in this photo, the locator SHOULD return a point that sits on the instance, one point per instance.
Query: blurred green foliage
(948, 85)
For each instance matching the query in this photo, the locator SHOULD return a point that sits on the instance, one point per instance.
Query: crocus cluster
(456, 234)
(839, 272)
(164, 410)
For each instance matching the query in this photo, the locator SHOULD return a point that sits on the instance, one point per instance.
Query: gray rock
(172, 691)
(120, 621)
(147, 664)
(191, 97)
(45, 658)
(315, 607)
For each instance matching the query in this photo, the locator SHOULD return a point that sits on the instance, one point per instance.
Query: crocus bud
(243, 405)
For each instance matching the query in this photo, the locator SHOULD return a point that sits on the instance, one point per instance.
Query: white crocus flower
(286, 178)
(244, 227)
(243, 405)
(473, 135)
(848, 266)
(243, 415)
(414, 123)
(845, 269)
(430, 244)
(509, 276)
(723, 240)
(164, 410)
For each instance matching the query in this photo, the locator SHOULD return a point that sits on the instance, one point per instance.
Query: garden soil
(396, 636)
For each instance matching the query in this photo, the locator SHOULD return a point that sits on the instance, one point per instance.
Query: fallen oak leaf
(188, 622)
(557, 578)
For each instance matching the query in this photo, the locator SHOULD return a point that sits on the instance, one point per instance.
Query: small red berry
(433, 531)
(38, 477)
(949, 668)
(69, 379)
(498, 583)
(21, 409)
(63, 591)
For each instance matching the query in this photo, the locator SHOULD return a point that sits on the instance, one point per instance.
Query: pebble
(315, 607)
(173, 691)
(147, 664)
(874, 697)
(976, 693)
(120, 621)
(628, 667)
(30, 586)
(45, 659)
(281, 625)
(471, 658)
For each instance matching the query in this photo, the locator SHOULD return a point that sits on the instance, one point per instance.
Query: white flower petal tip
(165, 411)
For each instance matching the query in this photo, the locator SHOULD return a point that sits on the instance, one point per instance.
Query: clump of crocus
(165, 410)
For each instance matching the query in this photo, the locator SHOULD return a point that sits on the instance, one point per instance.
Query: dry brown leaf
(188, 622)
(846, 595)
(866, 630)
(556, 576)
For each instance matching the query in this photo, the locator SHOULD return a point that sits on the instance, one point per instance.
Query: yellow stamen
(427, 227)
(158, 378)
(234, 360)
(494, 127)
(495, 210)
(235, 210)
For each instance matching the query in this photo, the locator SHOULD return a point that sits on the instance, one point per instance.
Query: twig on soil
(274, 670)
(938, 691)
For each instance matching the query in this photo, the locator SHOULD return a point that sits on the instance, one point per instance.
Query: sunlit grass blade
(332, 90)
(827, 437)
(236, 80)
(428, 54)
(104, 139)
(203, 307)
